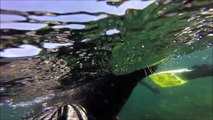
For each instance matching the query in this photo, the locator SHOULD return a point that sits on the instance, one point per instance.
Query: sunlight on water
(58, 53)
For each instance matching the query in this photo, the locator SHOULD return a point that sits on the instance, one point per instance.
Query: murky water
(50, 51)
(191, 101)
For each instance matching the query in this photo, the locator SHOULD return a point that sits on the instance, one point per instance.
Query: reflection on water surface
(72, 49)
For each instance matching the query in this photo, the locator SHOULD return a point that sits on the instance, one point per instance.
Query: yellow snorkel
(169, 78)
(178, 77)
(201, 67)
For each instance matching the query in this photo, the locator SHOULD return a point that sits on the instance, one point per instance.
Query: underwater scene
(106, 60)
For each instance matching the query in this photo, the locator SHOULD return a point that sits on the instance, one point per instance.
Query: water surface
(47, 44)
